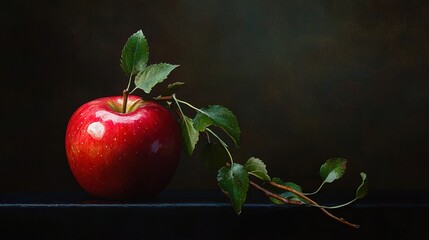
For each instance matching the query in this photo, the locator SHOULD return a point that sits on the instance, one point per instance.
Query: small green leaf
(290, 195)
(135, 54)
(153, 75)
(333, 169)
(218, 116)
(285, 194)
(189, 134)
(257, 168)
(234, 182)
(214, 156)
(363, 188)
(174, 86)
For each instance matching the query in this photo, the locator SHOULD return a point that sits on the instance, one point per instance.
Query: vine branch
(315, 204)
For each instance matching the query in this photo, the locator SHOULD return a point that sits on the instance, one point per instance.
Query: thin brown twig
(163, 98)
(125, 100)
(342, 220)
(271, 194)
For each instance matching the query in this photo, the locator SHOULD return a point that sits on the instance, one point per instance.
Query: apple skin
(117, 155)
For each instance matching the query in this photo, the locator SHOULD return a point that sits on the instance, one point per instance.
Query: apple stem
(125, 100)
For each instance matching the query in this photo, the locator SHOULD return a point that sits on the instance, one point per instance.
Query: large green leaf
(189, 134)
(363, 188)
(153, 75)
(218, 116)
(214, 156)
(234, 182)
(135, 54)
(257, 168)
(333, 169)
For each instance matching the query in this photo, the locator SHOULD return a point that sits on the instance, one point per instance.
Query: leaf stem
(129, 82)
(222, 143)
(191, 106)
(178, 105)
(337, 206)
(166, 98)
(133, 90)
(313, 203)
(312, 193)
(208, 137)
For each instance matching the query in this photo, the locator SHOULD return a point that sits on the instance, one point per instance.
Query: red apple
(115, 155)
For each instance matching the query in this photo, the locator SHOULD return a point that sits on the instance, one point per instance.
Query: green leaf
(333, 169)
(218, 116)
(153, 75)
(286, 194)
(214, 156)
(175, 86)
(189, 134)
(290, 195)
(135, 54)
(363, 188)
(234, 182)
(257, 168)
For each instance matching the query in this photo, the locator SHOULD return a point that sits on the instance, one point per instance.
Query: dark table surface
(209, 215)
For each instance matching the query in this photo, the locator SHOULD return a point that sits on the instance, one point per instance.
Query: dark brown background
(307, 80)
